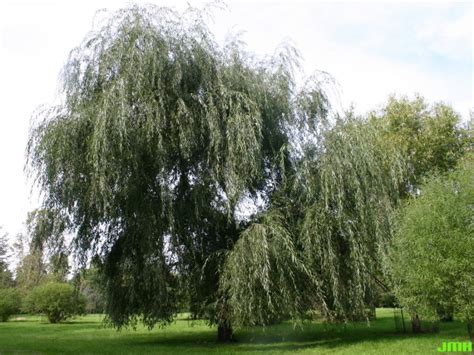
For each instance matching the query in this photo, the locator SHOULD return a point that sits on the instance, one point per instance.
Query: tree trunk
(416, 324)
(224, 328)
(225, 333)
(372, 313)
(403, 321)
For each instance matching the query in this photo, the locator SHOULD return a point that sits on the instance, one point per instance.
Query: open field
(87, 335)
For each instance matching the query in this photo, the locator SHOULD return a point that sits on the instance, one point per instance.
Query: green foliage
(31, 270)
(386, 299)
(58, 267)
(46, 233)
(348, 192)
(10, 302)
(161, 135)
(58, 301)
(42, 251)
(430, 137)
(431, 259)
(6, 277)
(321, 243)
(45, 229)
(264, 275)
(89, 283)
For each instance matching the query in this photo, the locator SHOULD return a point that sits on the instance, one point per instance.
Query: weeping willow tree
(160, 136)
(350, 195)
(324, 240)
(321, 247)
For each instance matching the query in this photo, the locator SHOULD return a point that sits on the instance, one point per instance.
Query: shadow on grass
(283, 337)
(90, 334)
(87, 324)
(288, 344)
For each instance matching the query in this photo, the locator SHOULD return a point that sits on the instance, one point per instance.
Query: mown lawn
(87, 335)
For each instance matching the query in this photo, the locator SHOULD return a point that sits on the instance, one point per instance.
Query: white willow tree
(161, 135)
(321, 243)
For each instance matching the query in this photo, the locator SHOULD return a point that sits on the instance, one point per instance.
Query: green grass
(87, 335)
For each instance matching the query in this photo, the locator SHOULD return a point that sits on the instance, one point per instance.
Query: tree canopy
(161, 134)
(320, 246)
(429, 136)
(431, 258)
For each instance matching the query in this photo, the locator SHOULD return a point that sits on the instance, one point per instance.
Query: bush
(386, 299)
(10, 301)
(431, 258)
(58, 301)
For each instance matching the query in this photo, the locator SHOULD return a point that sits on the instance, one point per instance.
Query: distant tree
(58, 301)
(470, 132)
(430, 137)
(10, 302)
(89, 283)
(31, 271)
(31, 267)
(45, 230)
(6, 277)
(58, 267)
(431, 259)
(42, 252)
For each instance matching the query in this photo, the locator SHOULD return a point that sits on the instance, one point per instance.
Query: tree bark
(225, 333)
(373, 313)
(416, 324)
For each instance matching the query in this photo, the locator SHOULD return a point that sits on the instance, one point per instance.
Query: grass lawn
(87, 335)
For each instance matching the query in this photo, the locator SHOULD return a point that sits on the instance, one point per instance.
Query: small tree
(431, 260)
(6, 277)
(41, 251)
(31, 270)
(89, 282)
(10, 301)
(58, 301)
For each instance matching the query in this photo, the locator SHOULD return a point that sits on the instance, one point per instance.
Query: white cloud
(448, 37)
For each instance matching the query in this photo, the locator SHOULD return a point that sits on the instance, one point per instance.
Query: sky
(371, 49)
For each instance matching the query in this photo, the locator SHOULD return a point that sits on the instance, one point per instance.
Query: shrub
(10, 301)
(58, 301)
(431, 258)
